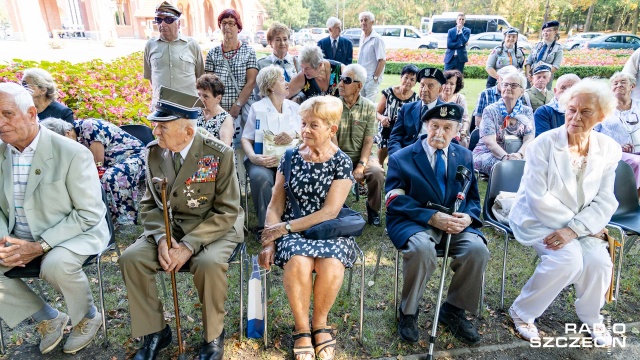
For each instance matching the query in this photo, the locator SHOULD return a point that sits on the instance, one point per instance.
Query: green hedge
(478, 72)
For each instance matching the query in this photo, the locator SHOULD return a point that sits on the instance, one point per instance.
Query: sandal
(325, 344)
(302, 350)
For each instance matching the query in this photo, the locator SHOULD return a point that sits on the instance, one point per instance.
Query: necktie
(542, 51)
(282, 64)
(441, 171)
(334, 46)
(423, 111)
(177, 163)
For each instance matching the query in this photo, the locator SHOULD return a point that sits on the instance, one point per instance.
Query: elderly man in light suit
(50, 209)
(206, 225)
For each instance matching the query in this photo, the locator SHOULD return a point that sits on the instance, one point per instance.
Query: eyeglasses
(167, 20)
(347, 80)
(511, 85)
(228, 24)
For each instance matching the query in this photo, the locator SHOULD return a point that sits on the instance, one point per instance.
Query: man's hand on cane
(173, 258)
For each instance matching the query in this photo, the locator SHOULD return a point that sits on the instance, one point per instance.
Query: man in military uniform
(538, 95)
(172, 60)
(206, 225)
(547, 51)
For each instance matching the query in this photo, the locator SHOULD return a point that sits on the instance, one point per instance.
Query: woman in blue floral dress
(121, 154)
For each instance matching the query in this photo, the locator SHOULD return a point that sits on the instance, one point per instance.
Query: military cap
(173, 105)
(447, 111)
(541, 68)
(432, 73)
(550, 24)
(510, 31)
(165, 8)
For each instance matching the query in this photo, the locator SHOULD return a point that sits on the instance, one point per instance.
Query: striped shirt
(21, 168)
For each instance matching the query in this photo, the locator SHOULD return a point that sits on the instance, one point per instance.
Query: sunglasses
(167, 20)
(347, 80)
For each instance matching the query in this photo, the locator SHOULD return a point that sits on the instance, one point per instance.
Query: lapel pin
(37, 171)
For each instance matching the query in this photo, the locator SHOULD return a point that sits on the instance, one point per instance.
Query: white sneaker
(526, 331)
(600, 335)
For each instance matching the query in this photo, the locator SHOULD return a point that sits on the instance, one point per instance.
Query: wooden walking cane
(174, 286)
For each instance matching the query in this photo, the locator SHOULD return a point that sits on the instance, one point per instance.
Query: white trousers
(590, 273)
(370, 90)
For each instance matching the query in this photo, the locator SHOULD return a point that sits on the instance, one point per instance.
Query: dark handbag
(347, 223)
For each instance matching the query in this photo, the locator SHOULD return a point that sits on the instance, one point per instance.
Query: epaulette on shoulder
(216, 144)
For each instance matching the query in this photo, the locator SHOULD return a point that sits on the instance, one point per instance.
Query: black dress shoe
(213, 350)
(408, 327)
(153, 343)
(373, 217)
(459, 326)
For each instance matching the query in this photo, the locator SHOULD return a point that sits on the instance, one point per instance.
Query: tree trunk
(570, 22)
(636, 13)
(587, 24)
(616, 24)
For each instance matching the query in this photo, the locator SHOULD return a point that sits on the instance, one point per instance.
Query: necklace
(229, 57)
(310, 158)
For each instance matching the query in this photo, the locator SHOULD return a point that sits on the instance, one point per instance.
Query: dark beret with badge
(173, 104)
(541, 68)
(447, 111)
(432, 73)
(551, 24)
(165, 8)
(510, 31)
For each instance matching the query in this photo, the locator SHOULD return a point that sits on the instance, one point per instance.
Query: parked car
(261, 38)
(319, 33)
(245, 37)
(303, 36)
(489, 40)
(612, 41)
(404, 37)
(574, 42)
(353, 35)
(216, 35)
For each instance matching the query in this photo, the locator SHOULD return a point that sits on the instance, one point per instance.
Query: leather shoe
(213, 350)
(408, 327)
(153, 343)
(459, 326)
(373, 217)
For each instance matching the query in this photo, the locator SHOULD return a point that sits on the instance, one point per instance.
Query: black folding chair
(473, 139)
(32, 270)
(141, 132)
(505, 176)
(626, 219)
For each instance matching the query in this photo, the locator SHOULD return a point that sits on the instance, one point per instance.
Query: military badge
(443, 111)
(207, 170)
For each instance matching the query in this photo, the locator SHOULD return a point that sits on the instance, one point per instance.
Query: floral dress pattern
(214, 124)
(311, 87)
(391, 109)
(310, 183)
(124, 160)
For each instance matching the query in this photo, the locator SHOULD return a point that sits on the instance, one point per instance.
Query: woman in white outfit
(563, 204)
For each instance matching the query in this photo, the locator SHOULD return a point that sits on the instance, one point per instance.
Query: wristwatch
(45, 247)
(375, 78)
(238, 103)
(362, 163)
(288, 227)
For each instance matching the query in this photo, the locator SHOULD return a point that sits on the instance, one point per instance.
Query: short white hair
(366, 14)
(56, 125)
(507, 70)
(21, 96)
(42, 79)
(599, 88)
(358, 71)
(518, 76)
(267, 77)
(619, 74)
(311, 55)
(332, 21)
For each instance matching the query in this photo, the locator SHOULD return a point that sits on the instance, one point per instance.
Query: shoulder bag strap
(233, 77)
(287, 186)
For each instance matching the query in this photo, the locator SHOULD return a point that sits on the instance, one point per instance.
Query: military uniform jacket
(501, 57)
(552, 56)
(203, 198)
(534, 98)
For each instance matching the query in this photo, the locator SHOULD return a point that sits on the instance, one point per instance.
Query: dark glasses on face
(347, 80)
(167, 20)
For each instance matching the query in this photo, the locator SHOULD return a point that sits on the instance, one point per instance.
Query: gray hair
(507, 70)
(358, 71)
(311, 55)
(21, 96)
(267, 77)
(522, 80)
(366, 14)
(619, 74)
(332, 21)
(42, 79)
(56, 125)
(607, 102)
(573, 77)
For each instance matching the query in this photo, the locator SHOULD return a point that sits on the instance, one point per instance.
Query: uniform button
(175, 207)
(198, 191)
(175, 194)
(180, 220)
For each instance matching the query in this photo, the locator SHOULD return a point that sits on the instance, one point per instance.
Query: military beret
(550, 24)
(447, 111)
(510, 31)
(432, 73)
(173, 105)
(541, 68)
(165, 8)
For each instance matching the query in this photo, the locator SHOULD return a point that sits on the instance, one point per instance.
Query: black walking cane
(174, 286)
(464, 176)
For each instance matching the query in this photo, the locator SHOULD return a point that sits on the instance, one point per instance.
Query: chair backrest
(505, 176)
(474, 137)
(141, 132)
(112, 232)
(625, 189)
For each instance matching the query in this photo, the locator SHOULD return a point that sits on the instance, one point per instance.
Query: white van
(404, 37)
(440, 25)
